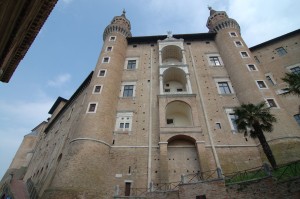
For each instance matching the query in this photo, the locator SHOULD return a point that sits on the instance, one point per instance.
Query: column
(203, 161)
(163, 162)
(189, 87)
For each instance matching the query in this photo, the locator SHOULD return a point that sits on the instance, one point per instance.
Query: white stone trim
(217, 80)
(101, 87)
(256, 81)
(87, 110)
(131, 58)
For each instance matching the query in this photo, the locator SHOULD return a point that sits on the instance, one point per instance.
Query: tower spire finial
(124, 12)
(209, 7)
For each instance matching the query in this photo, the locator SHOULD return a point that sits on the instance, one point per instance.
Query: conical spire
(212, 11)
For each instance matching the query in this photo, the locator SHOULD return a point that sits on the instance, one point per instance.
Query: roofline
(84, 84)
(187, 37)
(290, 34)
(56, 103)
(21, 47)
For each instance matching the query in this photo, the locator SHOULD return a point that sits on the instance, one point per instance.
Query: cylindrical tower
(235, 54)
(84, 165)
(249, 84)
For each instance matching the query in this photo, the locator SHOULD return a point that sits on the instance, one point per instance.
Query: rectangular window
(281, 51)
(252, 67)
(295, 70)
(224, 88)
(92, 107)
(270, 79)
(271, 103)
(109, 48)
(218, 125)
(256, 59)
(297, 118)
(179, 90)
(131, 64)
(244, 54)
(102, 73)
(215, 61)
(97, 89)
(128, 91)
(124, 121)
(112, 38)
(238, 43)
(170, 121)
(233, 34)
(232, 119)
(105, 60)
(167, 90)
(127, 188)
(261, 84)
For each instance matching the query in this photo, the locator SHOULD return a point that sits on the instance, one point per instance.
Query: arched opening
(182, 157)
(179, 113)
(171, 55)
(174, 80)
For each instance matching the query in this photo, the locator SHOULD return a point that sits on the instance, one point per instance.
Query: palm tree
(293, 80)
(255, 119)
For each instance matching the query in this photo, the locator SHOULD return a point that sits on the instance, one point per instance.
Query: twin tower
(155, 110)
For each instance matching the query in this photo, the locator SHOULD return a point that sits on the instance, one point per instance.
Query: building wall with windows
(157, 108)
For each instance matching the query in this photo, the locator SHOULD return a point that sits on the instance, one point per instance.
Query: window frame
(232, 34)
(274, 101)
(123, 88)
(241, 53)
(124, 117)
(212, 63)
(229, 112)
(89, 105)
(266, 86)
(94, 89)
(235, 42)
(249, 68)
(222, 80)
(271, 79)
(105, 62)
(281, 51)
(136, 59)
(111, 49)
(290, 68)
(100, 72)
(112, 38)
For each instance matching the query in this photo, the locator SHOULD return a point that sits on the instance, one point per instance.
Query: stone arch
(179, 113)
(171, 55)
(174, 80)
(182, 157)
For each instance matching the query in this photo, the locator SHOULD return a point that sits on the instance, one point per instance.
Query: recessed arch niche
(179, 114)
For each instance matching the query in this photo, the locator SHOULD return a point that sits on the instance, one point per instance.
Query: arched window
(178, 113)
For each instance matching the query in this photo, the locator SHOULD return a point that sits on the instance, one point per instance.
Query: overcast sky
(67, 48)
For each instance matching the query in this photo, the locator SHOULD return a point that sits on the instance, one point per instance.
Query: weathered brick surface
(82, 155)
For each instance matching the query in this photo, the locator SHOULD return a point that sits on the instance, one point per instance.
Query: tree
(293, 80)
(255, 119)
